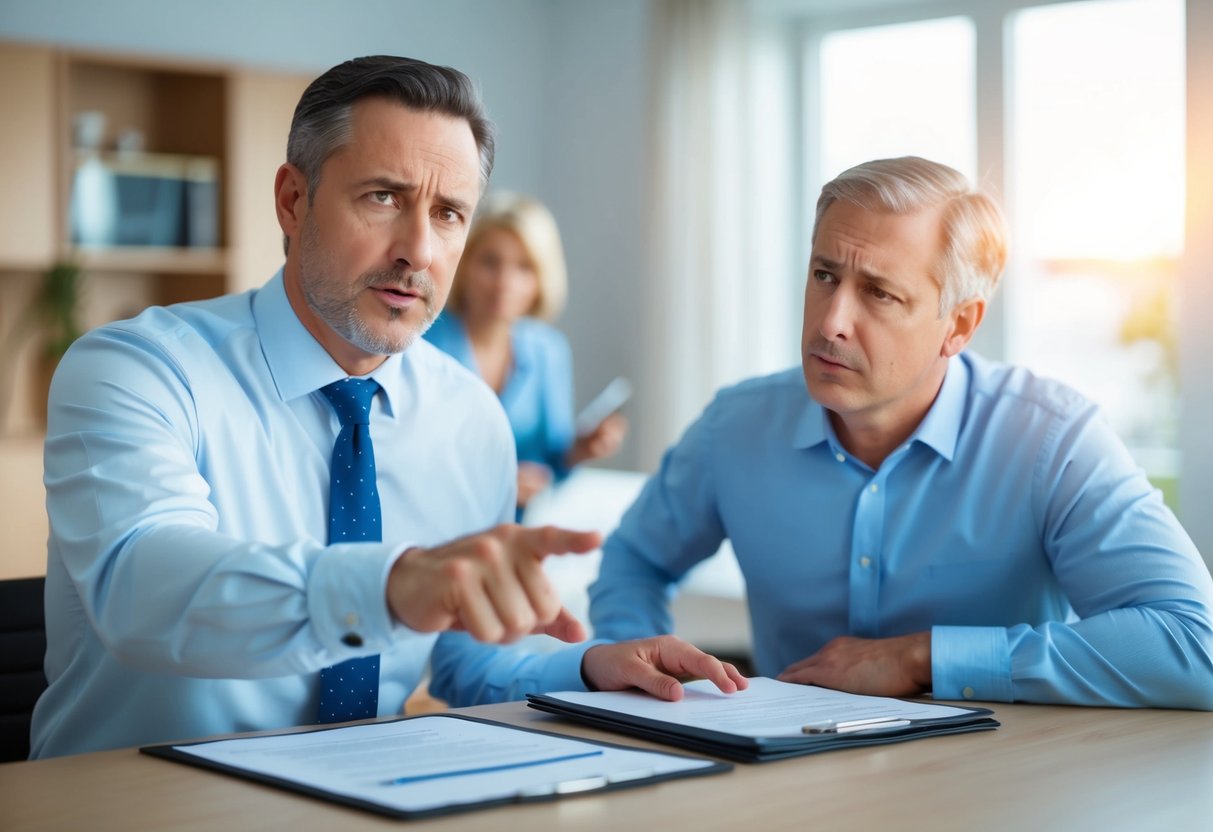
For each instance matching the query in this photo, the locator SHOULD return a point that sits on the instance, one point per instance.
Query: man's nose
(838, 322)
(412, 246)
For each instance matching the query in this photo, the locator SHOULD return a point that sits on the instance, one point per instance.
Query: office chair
(22, 647)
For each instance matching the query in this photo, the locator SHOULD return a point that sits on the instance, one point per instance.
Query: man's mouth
(395, 296)
(830, 361)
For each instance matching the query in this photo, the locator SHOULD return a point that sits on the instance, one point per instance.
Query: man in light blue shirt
(190, 587)
(909, 517)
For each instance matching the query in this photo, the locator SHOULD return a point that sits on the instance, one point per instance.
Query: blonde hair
(535, 228)
(974, 231)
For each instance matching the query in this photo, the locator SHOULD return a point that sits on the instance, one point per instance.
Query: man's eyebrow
(386, 183)
(879, 280)
(456, 204)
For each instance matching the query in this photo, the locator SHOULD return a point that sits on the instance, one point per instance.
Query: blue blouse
(538, 393)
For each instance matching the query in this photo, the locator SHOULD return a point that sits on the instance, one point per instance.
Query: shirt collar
(811, 427)
(939, 429)
(298, 364)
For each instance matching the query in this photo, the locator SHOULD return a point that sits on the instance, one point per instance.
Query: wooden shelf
(161, 260)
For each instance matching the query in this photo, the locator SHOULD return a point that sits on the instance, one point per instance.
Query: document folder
(771, 720)
(434, 764)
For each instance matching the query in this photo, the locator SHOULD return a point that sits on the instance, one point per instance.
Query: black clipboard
(178, 752)
(761, 749)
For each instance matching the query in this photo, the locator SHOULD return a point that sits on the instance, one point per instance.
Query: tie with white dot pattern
(350, 690)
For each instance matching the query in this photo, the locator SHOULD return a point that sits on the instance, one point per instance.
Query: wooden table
(1046, 768)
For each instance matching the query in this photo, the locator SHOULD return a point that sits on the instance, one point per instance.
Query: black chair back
(22, 648)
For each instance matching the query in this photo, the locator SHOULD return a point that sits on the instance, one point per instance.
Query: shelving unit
(230, 120)
(164, 109)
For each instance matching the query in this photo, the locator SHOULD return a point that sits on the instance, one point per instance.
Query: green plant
(55, 308)
(52, 316)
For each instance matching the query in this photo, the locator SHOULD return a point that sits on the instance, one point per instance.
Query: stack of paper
(770, 720)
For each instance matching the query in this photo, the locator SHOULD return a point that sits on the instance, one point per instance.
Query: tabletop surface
(1046, 768)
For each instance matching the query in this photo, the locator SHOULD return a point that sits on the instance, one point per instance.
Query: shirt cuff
(563, 670)
(971, 663)
(347, 598)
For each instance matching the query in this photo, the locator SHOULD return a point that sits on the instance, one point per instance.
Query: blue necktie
(350, 690)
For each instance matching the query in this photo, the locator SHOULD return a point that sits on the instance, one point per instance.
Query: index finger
(551, 540)
(722, 674)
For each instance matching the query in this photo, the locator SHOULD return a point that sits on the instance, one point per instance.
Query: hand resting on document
(655, 665)
(899, 666)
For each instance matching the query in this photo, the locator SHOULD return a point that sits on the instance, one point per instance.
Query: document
(768, 720)
(435, 764)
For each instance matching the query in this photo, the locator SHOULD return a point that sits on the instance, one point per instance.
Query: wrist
(585, 669)
(920, 659)
(397, 578)
(575, 456)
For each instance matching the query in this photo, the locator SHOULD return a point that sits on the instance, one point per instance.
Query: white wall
(596, 172)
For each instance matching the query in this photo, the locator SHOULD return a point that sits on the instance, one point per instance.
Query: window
(872, 105)
(1096, 90)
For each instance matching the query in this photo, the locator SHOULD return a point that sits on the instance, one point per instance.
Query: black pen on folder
(846, 726)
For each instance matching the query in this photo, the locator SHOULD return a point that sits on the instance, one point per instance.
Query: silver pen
(846, 726)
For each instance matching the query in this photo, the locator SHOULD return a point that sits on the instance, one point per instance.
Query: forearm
(189, 601)
(467, 672)
(1129, 657)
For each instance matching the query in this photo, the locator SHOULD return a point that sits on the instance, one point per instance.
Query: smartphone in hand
(612, 397)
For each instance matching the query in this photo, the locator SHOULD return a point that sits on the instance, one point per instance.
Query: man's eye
(448, 215)
(880, 294)
(822, 276)
(382, 197)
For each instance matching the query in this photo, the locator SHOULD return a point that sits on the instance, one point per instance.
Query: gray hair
(974, 231)
(323, 118)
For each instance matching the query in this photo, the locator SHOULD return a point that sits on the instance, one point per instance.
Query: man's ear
(965, 320)
(290, 199)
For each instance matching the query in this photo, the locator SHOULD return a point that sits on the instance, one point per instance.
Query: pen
(420, 778)
(846, 726)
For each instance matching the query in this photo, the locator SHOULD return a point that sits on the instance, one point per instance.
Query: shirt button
(351, 619)
(865, 561)
(873, 488)
(967, 693)
(840, 457)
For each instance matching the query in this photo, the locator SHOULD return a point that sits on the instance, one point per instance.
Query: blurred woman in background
(509, 286)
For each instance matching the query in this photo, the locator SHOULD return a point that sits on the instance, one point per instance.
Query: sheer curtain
(725, 295)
